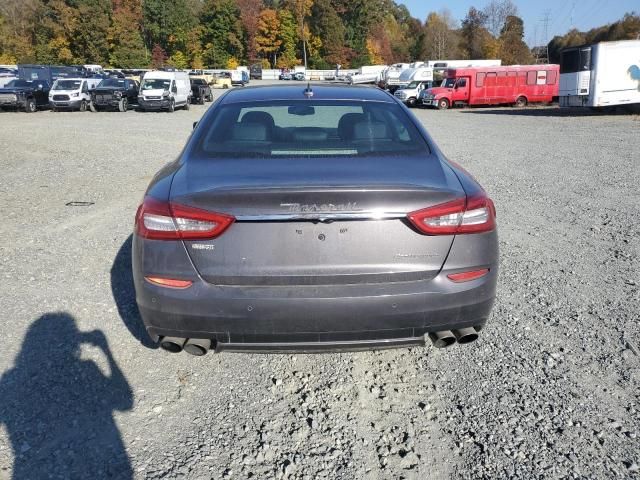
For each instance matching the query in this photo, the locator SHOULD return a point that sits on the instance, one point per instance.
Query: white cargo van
(71, 93)
(160, 90)
(605, 74)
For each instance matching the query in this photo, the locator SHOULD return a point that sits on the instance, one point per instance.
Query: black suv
(114, 93)
(200, 91)
(25, 95)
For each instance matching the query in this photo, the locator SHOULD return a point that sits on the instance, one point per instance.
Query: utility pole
(573, 7)
(542, 51)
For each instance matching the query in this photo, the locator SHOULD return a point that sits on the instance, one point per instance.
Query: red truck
(515, 85)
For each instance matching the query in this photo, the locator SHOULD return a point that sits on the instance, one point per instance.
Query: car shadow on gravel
(124, 294)
(550, 112)
(57, 406)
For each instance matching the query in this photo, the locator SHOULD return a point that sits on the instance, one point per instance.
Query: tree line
(277, 33)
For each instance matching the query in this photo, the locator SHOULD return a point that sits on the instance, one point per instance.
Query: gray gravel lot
(551, 389)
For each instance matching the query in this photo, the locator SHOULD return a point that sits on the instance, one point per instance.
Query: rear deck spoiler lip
(322, 217)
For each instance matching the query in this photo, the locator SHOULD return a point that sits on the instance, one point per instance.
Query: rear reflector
(467, 276)
(169, 282)
(157, 220)
(472, 215)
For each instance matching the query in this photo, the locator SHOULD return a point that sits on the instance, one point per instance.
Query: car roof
(297, 92)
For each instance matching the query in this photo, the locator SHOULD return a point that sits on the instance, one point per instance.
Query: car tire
(411, 102)
(123, 105)
(443, 104)
(83, 106)
(202, 100)
(225, 86)
(30, 105)
(172, 106)
(92, 107)
(187, 105)
(521, 102)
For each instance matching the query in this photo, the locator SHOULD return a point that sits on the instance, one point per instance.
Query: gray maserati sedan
(310, 218)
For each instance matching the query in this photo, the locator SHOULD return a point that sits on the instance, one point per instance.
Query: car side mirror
(455, 87)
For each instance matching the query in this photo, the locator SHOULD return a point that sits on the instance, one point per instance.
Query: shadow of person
(124, 294)
(58, 409)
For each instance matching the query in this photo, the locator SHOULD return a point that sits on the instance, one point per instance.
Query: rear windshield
(308, 129)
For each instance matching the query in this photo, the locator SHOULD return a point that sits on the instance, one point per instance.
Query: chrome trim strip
(320, 216)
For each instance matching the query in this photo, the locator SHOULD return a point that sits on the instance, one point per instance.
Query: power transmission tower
(542, 51)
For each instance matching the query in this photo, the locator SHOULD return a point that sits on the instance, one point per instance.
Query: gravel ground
(551, 389)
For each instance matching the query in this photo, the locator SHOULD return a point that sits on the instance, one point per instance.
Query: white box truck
(605, 74)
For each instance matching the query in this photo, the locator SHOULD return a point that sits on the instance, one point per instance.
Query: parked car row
(158, 90)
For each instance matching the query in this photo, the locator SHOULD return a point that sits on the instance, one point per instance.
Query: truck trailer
(605, 74)
(507, 85)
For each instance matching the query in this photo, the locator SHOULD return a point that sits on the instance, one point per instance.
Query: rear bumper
(315, 318)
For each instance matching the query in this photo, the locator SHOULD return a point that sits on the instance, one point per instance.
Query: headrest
(258, 117)
(309, 134)
(252, 132)
(346, 122)
(370, 131)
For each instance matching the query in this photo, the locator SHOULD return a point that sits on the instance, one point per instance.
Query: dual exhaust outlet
(193, 346)
(446, 338)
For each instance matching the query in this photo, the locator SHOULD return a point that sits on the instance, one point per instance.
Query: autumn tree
(288, 38)
(496, 13)
(88, 39)
(178, 60)
(17, 30)
(474, 34)
(327, 25)
(301, 9)
(441, 40)
(167, 23)
(222, 32)
(158, 56)
(513, 50)
(249, 14)
(126, 45)
(267, 35)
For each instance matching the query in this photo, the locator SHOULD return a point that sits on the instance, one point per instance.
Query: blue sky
(582, 14)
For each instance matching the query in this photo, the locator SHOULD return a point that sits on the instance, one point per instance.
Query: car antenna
(308, 92)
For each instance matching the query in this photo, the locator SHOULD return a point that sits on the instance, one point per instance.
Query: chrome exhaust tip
(442, 339)
(197, 346)
(466, 335)
(172, 344)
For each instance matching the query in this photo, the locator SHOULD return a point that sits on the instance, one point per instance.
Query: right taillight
(158, 220)
(475, 214)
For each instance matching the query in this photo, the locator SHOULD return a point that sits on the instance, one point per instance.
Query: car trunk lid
(317, 223)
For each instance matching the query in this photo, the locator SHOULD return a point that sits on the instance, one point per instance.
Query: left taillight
(158, 220)
(474, 214)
